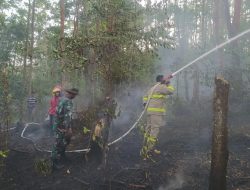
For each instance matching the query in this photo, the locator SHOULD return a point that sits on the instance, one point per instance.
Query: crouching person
(63, 127)
(98, 142)
(99, 138)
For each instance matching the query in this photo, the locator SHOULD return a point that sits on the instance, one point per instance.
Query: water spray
(211, 51)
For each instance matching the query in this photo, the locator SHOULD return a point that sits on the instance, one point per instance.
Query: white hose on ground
(4, 130)
(25, 127)
(42, 150)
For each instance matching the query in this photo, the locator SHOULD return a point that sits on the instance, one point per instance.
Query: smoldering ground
(36, 132)
(175, 183)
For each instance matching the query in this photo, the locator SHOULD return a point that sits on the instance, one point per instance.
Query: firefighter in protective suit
(156, 113)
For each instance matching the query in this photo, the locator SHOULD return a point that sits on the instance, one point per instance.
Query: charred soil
(184, 162)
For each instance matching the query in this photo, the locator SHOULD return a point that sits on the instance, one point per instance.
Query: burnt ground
(183, 164)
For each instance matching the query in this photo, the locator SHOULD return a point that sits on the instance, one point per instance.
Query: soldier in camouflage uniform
(63, 130)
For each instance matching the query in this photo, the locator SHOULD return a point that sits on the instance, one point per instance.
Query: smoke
(174, 184)
(129, 106)
(36, 132)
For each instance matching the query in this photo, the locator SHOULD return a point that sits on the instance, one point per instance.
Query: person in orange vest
(52, 110)
(156, 112)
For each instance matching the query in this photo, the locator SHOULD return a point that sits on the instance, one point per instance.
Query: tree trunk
(76, 18)
(26, 53)
(185, 77)
(4, 110)
(203, 26)
(61, 40)
(196, 85)
(32, 44)
(217, 31)
(233, 29)
(220, 136)
(196, 76)
(228, 18)
(26, 49)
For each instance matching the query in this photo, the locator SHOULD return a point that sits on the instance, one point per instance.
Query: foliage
(116, 41)
(85, 130)
(43, 167)
(4, 153)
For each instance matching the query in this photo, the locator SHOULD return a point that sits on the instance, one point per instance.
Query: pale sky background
(142, 2)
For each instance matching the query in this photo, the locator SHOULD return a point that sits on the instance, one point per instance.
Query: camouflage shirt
(64, 113)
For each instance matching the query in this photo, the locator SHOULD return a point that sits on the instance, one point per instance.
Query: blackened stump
(220, 136)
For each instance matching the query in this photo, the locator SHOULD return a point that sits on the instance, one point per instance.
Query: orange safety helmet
(56, 89)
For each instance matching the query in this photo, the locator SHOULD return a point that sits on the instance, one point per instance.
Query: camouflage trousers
(51, 124)
(59, 147)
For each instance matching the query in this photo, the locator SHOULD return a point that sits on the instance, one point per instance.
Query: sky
(22, 2)
(143, 2)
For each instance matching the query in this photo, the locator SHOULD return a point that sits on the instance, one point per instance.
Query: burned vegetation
(184, 162)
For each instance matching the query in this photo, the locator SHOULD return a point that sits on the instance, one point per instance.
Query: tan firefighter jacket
(157, 101)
